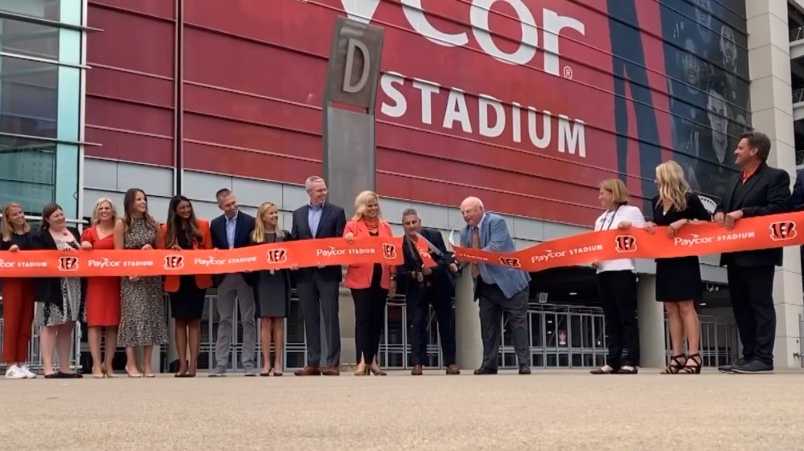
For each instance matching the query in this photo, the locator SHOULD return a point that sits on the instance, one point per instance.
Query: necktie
(476, 245)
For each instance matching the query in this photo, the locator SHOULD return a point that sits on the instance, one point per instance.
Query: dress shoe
(524, 370)
(730, 368)
(331, 371)
(753, 367)
(453, 370)
(308, 371)
(483, 371)
(416, 371)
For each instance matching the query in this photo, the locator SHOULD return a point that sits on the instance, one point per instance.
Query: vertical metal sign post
(348, 128)
(351, 92)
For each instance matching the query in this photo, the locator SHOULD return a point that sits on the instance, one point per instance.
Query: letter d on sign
(353, 46)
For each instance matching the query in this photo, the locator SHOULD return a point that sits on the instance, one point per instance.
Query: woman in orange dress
(102, 293)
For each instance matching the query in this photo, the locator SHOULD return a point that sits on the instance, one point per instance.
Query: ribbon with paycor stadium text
(760, 232)
(112, 263)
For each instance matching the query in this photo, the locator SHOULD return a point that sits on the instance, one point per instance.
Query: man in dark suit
(758, 190)
(424, 286)
(499, 288)
(318, 288)
(231, 230)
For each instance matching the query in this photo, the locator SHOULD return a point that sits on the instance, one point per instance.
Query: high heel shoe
(377, 371)
(361, 371)
(692, 369)
(677, 362)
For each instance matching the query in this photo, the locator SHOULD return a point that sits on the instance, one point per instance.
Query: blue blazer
(243, 228)
(494, 237)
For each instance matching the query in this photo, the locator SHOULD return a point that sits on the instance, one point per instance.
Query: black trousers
(751, 292)
(369, 317)
(492, 304)
(618, 293)
(319, 302)
(418, 300)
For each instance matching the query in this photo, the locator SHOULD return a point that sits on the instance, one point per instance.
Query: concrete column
(469, 352)
(651, 324)
(772, 113)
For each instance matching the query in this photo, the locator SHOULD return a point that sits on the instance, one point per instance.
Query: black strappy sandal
(676, 364)
(692, 369)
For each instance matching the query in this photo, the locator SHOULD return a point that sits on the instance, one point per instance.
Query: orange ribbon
(158, 262)
(761, 232)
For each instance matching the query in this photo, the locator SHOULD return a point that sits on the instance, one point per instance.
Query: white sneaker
(28, 373)
(15, 372)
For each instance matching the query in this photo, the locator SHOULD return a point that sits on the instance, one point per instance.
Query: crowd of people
(130, 311)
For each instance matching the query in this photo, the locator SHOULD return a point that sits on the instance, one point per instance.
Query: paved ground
(548, 410)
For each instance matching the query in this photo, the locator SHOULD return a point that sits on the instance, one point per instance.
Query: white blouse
(609, 220)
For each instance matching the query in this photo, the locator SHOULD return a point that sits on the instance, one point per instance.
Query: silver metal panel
(202, 186)
(153, 180)
(354, 64)
(293, 197)
(100, 174)
(255, 192)
(349, 159)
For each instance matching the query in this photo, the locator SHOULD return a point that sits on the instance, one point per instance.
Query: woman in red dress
(102, 293)
(18, 296)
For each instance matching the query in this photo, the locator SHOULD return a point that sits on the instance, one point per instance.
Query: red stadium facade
(513, 101)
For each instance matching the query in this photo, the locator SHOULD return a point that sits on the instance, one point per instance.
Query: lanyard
(611, 220)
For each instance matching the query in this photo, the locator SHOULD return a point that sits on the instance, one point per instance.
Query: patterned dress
(142, 303)
(54, 314)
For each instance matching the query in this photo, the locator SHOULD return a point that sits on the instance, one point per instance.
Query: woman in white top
(617, 283)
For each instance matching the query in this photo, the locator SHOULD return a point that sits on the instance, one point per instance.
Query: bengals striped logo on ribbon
(174, 261)
(625, 244)
(278, 255)
(783, 230)
(68, 264)
(389, 251)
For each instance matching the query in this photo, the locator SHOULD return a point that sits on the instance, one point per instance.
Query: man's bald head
(472, 210)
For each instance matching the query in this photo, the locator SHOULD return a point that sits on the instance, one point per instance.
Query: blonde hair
(96, 216)
(8, 228)
(617, 189)
(258, 235)
(673, 188)
(361, 201)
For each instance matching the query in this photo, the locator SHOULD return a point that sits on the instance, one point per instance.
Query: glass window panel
(538, 360)
(45, 9)
(575, 331)
(563, 360)
(552, 360)
(28, 97)
(536, 338)
(577, 360)
(27, 172)
(30, 39)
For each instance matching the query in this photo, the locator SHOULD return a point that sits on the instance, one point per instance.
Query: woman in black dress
(678, 280)
(187, 293)
(271, 292)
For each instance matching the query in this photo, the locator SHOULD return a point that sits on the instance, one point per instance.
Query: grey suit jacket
(494, 237)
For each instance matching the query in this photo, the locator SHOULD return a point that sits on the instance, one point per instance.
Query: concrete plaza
(547, 410)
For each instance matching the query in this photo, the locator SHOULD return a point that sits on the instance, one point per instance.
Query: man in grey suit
(499, 288)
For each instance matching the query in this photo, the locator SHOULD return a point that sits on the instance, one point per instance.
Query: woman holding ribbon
(102, 293)
(142, 303)
(59, 298)
(18, 296)
(678, 280)
(370, 284)
(271, 291)
(617, 283)
(187, 293)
